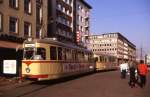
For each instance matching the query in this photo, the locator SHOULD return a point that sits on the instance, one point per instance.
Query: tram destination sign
(29, 45)
(9, 66)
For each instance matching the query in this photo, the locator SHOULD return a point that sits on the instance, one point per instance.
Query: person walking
(132, 72)
(142, 71)
(123, 69)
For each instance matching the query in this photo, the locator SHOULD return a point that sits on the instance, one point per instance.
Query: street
(101, 84)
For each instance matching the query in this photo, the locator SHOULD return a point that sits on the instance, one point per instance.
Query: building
(113, 44)
(147, 59)
(82, 24)
(68, 20)
(23, 18)
(60, 20)
(20, 19)
(40, 19)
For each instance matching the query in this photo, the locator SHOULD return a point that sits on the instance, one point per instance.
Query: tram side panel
(105, 62)
(49, 68)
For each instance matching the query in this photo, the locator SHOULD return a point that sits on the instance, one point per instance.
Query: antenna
(141, 56)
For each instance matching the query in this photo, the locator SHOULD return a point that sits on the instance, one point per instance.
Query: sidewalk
(6, 81)
(10, 83)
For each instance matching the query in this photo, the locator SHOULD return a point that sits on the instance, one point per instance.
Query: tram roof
(55, 42)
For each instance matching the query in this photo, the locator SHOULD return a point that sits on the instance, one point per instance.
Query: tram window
(105, 59)
(76, 56)
(59, 53)
(86, 57)
(28, 53)
(68, 54)
(41, 52)
(101, 58)
(53, 53)
(113, 59)
(64, 54)
(73, 55)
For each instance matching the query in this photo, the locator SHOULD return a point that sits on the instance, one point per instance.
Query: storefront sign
(9, 66)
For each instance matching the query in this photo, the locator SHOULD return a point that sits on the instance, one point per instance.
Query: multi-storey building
(82, 26)
(68, 20)
(60, 20)
(20, 19)
(113, 44)
(40, 19)
(23, 18)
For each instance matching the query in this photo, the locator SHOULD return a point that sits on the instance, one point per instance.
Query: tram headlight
(28, 70)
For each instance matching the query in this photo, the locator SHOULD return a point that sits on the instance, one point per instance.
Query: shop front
(10, 58)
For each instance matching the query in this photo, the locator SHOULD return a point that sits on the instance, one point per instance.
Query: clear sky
(129, 17)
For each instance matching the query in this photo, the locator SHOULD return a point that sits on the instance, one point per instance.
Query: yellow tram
(105, 62)
(45, 59)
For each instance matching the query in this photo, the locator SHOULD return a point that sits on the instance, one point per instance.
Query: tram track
(24, 90)
(35, 86)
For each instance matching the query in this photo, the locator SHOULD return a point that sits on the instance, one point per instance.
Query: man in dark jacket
(132, 75)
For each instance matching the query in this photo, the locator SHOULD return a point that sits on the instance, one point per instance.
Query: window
(27, 29)
(27, 6)
(13, 25)
(59, 53)
(38, 32)
(0, 22)
(28, 53)
(70, 2)
(53, 53)
(38, 14)
(13, 3)
(39, 1)
(41, 52)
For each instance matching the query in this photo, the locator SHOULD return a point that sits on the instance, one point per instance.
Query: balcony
(67, 6)
(64, 27)
(60, 13)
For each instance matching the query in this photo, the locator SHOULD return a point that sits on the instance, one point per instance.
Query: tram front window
(34, 53)
(28, 53)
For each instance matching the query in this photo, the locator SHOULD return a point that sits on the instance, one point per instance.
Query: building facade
(60, 20)
(20, 19)
(82, 25)
(113, 44)
(23, 18)
(68, 20)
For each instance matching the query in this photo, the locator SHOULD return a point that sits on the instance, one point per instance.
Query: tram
(45, 59)
(105, 62)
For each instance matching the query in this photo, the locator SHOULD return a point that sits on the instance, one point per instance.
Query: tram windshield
(34, 53)
(28, 53)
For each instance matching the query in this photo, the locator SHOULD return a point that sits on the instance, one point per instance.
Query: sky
(129, 17)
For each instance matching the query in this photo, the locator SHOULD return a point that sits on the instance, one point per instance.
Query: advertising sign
(9, 66)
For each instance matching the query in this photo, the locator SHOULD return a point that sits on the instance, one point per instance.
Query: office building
(114, 44)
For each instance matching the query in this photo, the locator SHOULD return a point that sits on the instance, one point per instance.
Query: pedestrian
(123, 69)
(132, 74)
(142, 71)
